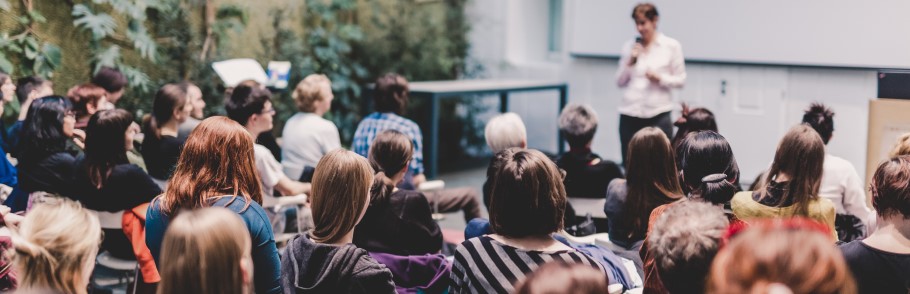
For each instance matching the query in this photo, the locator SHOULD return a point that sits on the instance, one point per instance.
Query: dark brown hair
(389, 154)
(651, 178)
(341, 187)
(169, 98)
(216, 160)
(527, 195)
(84, 95)
(391, 93)
(891, 188)
(694, 120)
(560, 277)
(104, 143)
(764, 255)
(245, 101)
(646, 10)
(800, 155)
(820, 118)
(112, 80)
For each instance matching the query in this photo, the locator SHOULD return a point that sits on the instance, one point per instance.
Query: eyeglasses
(69, 114)
(270, 111)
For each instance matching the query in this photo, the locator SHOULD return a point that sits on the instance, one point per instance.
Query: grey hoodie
(309, 267)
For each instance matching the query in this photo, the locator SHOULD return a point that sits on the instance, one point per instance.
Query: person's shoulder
(741, 200)
(853, 249)
(616, 186)
(837, 163)
(668, 41)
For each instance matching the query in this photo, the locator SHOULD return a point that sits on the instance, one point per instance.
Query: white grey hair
(505, 131)
(685, 239)
(578, 119)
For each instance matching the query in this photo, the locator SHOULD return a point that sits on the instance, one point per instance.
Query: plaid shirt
(377, 122)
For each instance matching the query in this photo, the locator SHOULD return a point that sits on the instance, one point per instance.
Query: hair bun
(714, 178)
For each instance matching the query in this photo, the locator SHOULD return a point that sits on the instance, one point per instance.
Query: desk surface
(465, 86)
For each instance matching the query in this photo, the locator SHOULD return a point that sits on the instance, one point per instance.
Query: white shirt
(643, 98)
(269, 173)
(306, 138)
(842, 185)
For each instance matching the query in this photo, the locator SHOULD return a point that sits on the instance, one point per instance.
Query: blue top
(266, 265)
(376, 122)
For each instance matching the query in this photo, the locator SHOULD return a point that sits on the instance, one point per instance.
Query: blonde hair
(309, 90)
(340, 192)
(202, 252)
(505, 131)
(902, 147)
(55, 247)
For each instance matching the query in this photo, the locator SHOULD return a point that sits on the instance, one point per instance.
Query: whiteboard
(838, 33)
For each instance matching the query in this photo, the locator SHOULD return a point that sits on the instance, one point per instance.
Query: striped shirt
(484, 265)
(376, 122)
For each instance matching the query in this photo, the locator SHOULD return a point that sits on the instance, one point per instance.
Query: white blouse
(643, 98)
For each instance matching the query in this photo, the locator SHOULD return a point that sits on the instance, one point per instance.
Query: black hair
(105, 143)
(42, 131)
(820, 118)
(707, 166)
(697, 119)
(26, 85)
(246, 101)
(111, 79)
(391, 93)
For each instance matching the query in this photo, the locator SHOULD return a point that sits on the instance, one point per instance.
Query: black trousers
(629, 125)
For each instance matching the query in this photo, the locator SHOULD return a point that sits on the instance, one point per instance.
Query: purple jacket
(427, 273)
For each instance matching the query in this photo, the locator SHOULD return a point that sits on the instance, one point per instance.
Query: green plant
(32, 55)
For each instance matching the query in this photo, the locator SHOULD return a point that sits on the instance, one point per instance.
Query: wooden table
(436, 90)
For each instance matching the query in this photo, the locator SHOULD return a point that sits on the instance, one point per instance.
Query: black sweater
(400, 225)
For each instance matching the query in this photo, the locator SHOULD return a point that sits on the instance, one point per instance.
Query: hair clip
(714, 178)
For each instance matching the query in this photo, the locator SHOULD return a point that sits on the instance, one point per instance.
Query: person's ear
(246, 271)
(524, 143)
(91, 108)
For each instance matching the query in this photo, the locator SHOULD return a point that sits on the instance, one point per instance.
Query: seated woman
(791, 186)
(651, 181)
(55, 248)
(46, 159)
(324, 260)
(527, 205)
(87, 99)
(881, 262)
(105, 180)
(780, 256)
(587, 175)
(161, 146)
(203, 253)
(216, 169)
(397, 221)
(307, 135)
(708, 171)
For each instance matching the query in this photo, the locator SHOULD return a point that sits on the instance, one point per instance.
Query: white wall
(761, 102)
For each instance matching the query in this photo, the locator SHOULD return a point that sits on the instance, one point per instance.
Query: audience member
(7, 87)
(27, 90)
(307, 136)
(502, 132)
(105, 180)
(527, 206)
(8, 175)
(840, 183)
(324, 260)
(563, 278)
(55, 248)
(161, 146)
(194, 95)
(792, 183)
(397, 221)
(684, 240)
(651, 182)
(693, 120)
(587, 175)
(113, 81)
(881, 262)
(87, 99)
(45, 164)
(707, 170)
(252, 108)
(902, 147)
(217, 169)
(204, 253)
(780, 256)
(391, 98)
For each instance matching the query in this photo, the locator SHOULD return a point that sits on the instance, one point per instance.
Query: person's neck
(253, 132)
(892, 234)
(649, 40)
(170, 128)
(535, 243)
(347, 239)
(319, 112)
